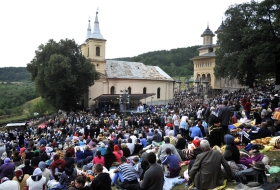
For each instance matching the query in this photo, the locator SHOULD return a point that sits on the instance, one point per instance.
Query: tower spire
(88, 30)
(96, 31)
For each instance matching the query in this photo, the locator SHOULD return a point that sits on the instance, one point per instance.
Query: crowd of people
(99, 150)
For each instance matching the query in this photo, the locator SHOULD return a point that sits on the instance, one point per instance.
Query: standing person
(184, 126)
(274, 102)
(207, 113)
(206, 171)
(36, 181)
(176, 123)
(102, 181)
(247, 108)
(224, 114)
(214, 122)
(153, 177)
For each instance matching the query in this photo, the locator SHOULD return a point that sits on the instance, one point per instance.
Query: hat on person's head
(259, 165)
(4, 179)
(196, 142)
(179, 136)
(18, 173)
(7, 160)
(102, 145)
(42, 165)
(37, 172)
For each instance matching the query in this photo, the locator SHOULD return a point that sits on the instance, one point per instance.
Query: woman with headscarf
(213, 128)
(45, 171)
(231, 151)
(7, 169)
(231, 154)
(36, 181)
(118, 153)
(21, 178)
(109, 158)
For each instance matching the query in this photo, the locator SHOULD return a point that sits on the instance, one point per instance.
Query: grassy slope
(25, 108)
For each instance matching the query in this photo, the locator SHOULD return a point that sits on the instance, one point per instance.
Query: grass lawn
(274, 158)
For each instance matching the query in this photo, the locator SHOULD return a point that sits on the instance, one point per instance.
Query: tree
(61, 73)
(269, 30)
(248, 44)
(235, 55)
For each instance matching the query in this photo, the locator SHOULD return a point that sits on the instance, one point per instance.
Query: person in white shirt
(199, 113)
(130, 145)
(36, 181)
(133, 137)
(175, 121)
(7, 184)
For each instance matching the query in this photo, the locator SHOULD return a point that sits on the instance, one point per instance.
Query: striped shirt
(128, 172)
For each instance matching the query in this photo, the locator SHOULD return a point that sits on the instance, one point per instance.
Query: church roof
(134, 70)
(220, 29)
(204, 56)
(207, 32)
(96, 31)
(88, 30)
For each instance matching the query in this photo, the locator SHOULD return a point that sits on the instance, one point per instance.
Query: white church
(123, 82)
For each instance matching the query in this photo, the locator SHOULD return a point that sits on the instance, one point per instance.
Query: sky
(131, 27)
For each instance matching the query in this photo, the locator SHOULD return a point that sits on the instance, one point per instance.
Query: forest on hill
(175, 62)
(14, 74)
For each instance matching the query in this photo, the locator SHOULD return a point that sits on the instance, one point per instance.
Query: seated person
(195, 132)
(181, 142)
(171, 164)
(231, 152)
(254, 156)
(257, 133)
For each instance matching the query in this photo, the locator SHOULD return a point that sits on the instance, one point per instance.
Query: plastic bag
(274, 169)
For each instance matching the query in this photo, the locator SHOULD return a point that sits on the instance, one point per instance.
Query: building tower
(220, 29)
(94, 47)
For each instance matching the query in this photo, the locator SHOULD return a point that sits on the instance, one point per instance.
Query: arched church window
(88, 51)
(158, 93)
(129, 90)
(97, 51)
(144, 90)
(112, 91)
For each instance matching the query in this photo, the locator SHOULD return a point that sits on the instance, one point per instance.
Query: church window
(158, 93)
(97, 49)
(144, 90)
(112, 90)
(88, 51)
(129, 90)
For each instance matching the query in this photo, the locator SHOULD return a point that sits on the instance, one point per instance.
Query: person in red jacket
(247, 108)
(58, 164)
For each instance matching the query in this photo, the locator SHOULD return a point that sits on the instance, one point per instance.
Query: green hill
(14, 74)
(175, 62)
